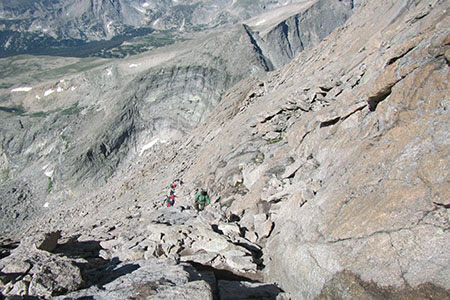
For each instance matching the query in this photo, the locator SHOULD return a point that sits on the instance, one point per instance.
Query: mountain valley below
(319, 128)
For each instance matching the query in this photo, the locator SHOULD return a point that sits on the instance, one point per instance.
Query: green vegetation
(65, 140)
(139, 44)
(49, 185)
(276, 140)
(259, 158)
(24, 70)
(79, 65)
(199, 27)
(4, 174)
(223, 18)
(4, 85)
(131, 41)
(16, 110)
(73, 110)
(40, 114)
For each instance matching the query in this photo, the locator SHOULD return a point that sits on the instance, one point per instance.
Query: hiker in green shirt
(201, 200)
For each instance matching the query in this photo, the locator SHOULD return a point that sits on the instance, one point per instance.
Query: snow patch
(108, 26)
(22, 89)
(72, 88)
(46, 204)
(37, 97)
(262, 21)
(49, 173)
(150, 145)
(146, 4)
(48, 92)
(141, 10)
(133, 65)
(8, 43)
(59, 89)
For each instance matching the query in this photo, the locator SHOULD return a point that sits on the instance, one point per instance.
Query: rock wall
(286, 39)
(344, 152)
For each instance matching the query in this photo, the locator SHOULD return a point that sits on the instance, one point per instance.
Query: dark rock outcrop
(282, 41)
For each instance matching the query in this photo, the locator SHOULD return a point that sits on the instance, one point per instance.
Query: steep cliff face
(282, 41)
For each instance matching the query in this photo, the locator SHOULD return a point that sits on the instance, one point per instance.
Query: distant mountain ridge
(50, 26)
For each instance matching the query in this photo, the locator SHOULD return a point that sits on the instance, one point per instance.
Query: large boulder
(39, 273)
(143, 279)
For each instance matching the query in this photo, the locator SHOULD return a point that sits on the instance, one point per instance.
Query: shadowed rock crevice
(41, 267)
(330, 122)
(95, 270)
(266, 63)
(374, 100)
(228, 285)
(395, 58)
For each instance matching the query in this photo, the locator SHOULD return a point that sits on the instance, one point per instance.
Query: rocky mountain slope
(72, 131)
(328, 177)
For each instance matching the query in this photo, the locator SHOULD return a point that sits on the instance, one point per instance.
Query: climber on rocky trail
(171, 201)
(171, 198)
(201, 200)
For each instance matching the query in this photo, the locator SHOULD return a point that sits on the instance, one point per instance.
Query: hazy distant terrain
(113, 28)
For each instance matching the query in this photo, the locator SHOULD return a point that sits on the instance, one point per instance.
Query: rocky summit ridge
(328, 179)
